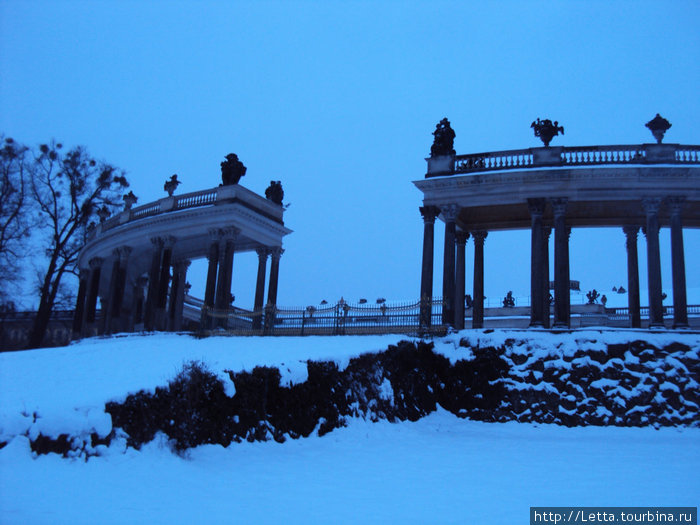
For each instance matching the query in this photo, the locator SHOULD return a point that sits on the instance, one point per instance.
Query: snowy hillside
(441, 468)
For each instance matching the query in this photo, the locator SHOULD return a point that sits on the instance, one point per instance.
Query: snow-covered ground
(440, 469)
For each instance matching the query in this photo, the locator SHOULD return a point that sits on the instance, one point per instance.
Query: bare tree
(14, 219)
(68, 189)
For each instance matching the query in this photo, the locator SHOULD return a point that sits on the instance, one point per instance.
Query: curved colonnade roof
(189, 219)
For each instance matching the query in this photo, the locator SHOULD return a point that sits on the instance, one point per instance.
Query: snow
(441, 469)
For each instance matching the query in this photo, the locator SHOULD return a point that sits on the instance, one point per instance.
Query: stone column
(546, 232)
(152, 294)
(79, 315)
(536, 207)
(680, 302)
(429, 214)
(561, 264)
(138, 303)
(118, 313)
(164, 283)
(263, 252)
(449, 214)
(210, 289)
(111, 300)
(177, 295)
(93, 292)
(271, 306)
(223, 285)
(632, 275)
(460, 289)
(478, 307)
(656, 313)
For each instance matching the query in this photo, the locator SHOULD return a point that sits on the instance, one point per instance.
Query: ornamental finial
(658, 127)
(546, 130)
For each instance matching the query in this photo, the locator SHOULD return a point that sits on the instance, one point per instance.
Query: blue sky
(338, 100)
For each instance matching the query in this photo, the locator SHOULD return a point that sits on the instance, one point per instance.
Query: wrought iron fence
(342, 318)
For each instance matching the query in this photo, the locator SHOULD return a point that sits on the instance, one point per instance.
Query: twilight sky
(338, 100)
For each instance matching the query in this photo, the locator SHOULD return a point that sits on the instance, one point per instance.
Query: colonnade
(453, 292)
(157, 298)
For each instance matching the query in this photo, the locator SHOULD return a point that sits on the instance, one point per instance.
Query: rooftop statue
(171, 185)
(443, 144)
(658, 127)
(546, 131)
(232, 170)
(274, 192)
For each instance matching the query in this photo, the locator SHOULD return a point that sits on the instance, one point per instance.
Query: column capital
(157, 242)
(676, 202)
(479, 236)
(182, 265)
(122, 253)
(536, 206)
(450, 212)
(631, 232)
(461, 237)
(215, 234)
(95, 262)
(276, 253)
(559, 205)
(262, 251)
(429, 213)
(651, 205)
(230, 233)
(169, 241)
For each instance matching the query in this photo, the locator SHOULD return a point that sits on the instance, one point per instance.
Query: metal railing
(341, 318)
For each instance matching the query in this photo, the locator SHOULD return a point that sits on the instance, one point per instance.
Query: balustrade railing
(578, 156)
(494, 160)
(575, 156)
(192, 200)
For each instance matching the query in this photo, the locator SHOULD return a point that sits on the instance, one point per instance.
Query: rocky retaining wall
(575, 382)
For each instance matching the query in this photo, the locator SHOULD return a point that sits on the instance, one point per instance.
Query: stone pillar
(276, 254)
(478, 307)
(449, 214)
(546, 232)
(656, 313)
(210, 289)
(561, 264)
(536, 207)
(164, 283)
(79, 315)
(93, 292)
(263, 252)
(271, 306)
(177, 295)
(429, 214)
(223, 285)
(118, 313)
(461, 239)
(153, 275)
(138, 303)
(632, 275)
(680, 302)
(110, 301)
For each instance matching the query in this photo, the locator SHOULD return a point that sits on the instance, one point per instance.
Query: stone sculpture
(443, 143)
(232, 170)
(274, 192)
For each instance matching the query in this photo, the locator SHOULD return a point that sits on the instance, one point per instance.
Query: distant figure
(508, 301)
(604, 300)
(443, 143)
(171, 185)
(274, 192)
(232, 170)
